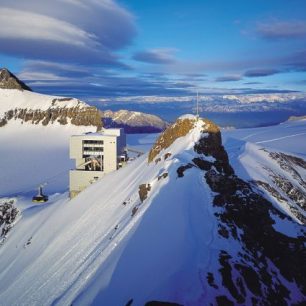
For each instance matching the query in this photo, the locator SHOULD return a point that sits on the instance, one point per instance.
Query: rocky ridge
(8, 216)
(9, 81)
(287, 184)
(18, 102)
(78, 115)
(267, 267)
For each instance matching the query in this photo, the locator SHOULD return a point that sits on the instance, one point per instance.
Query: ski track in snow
(280, 138)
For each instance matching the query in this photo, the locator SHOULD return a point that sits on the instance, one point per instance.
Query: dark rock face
(212, 146)
(266, 257)
(266, 266)
(287, 184)
(8, 215)
(180, 170)
(10, 81)
(288, 163)
(86, 116)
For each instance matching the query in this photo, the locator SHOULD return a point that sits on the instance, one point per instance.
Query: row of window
(93, 142)
(95, 149)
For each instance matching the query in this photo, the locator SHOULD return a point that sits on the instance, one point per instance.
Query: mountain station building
(95, 154)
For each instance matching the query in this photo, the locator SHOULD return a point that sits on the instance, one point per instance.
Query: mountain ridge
(184, 228)
(133, 122)
(19, 102)
(9, 81)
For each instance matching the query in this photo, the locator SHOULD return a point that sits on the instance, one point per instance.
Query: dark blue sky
(94, 49)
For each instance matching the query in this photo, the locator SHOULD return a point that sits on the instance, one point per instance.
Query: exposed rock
(9, 81)
(180, 170)
(157, 160)
(211, 280)
(133, 122)
(86, 116)
(288, 163)
(211, 145)
(143, 191)
(181, 128)
(134, 210)
(8, 215)
(167, 155)
(164, 175)
(266, 257)
(202, 163)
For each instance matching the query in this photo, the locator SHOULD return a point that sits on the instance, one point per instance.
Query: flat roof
(103, 133)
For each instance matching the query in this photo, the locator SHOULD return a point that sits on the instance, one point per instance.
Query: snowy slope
(34, 154)
(274, 158)
(14, 98)
(192, 236)
(34, 138)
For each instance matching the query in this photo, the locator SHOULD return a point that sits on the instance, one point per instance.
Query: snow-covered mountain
(178, 224)
(34, 135)
(17, 102)
(133, 122)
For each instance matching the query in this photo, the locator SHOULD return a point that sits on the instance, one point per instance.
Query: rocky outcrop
(264, 261)
(285, 183)
(133, 122)
(179, 129)
(86, 116)
(266, 256)
(143, 191)
(8, 215)
(9, 81)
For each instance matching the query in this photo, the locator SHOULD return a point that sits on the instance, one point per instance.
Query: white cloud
(65, 30)
(26, 25)
(156, 56)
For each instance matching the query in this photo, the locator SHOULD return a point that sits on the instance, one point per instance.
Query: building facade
(95, 154)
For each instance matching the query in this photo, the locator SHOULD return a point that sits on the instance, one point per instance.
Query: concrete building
(95, 155)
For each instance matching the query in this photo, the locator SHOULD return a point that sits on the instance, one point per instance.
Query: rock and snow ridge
(133, 122)
(27, 106)
(177, 225)
(34, 136)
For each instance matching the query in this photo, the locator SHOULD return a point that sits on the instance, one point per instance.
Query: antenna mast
(197, 104)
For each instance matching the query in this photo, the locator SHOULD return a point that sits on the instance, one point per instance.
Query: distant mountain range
(133, 122)
(19, 103)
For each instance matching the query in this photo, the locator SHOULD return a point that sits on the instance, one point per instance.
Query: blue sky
(104, 48)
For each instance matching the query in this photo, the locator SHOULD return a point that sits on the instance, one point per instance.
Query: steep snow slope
(26, 106)
(34, 137)
(14, 98)
(182, 228)
(273, 158)
(34, 154)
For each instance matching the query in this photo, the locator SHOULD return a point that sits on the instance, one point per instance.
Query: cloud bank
(64, 30)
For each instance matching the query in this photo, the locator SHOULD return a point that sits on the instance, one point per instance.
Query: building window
(94, 163)
(100, 142)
